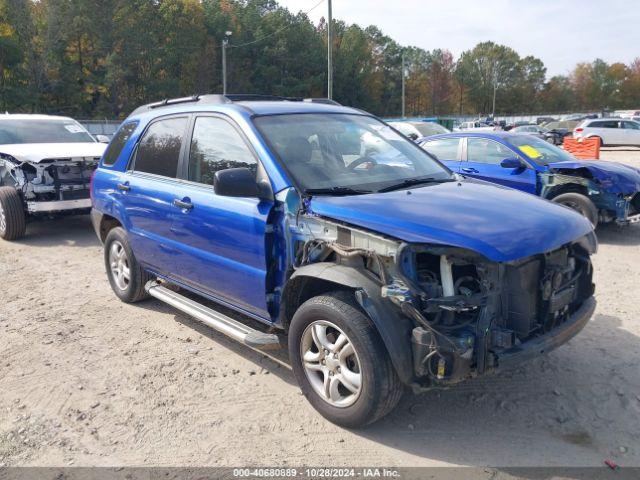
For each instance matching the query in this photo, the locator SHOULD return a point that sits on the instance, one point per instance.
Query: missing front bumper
(550, 341)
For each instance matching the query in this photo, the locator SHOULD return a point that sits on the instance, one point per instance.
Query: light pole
(403, 88)
(329, 52)
(495, 87)
(225, 42)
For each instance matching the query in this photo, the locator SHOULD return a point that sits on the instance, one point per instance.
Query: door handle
(469, 170)
(124, 187)
(183, 204)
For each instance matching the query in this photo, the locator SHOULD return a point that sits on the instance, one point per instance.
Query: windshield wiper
(410, 182)
(338, 190)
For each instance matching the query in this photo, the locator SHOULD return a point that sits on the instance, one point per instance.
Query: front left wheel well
(301, 289)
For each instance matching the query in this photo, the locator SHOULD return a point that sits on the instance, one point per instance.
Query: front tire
(126, 276)
(340, 362)
(581, 204)
(13, 223)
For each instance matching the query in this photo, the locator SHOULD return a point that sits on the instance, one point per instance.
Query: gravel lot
(88, 380)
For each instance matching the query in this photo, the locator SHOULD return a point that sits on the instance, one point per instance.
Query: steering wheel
(356, 163)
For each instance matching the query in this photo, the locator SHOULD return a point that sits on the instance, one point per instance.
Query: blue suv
(322, 228)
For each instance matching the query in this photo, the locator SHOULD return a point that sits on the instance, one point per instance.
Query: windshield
(342, 153)
(429, 128)
(42, 131)
(538, 150)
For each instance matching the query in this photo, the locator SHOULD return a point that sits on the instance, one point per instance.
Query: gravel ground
(88, 380)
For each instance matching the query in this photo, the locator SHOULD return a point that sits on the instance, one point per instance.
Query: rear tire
(366, 384)
(581, 204)
(13, 223)
(126, 276)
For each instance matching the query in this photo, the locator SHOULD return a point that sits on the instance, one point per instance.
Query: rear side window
(605, 124)
(159, 149)
(443, 148)
(217, 145)
(118, 142)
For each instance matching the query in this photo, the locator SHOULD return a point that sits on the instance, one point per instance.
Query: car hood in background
(500, 223)
(614, 177)
(36, 152)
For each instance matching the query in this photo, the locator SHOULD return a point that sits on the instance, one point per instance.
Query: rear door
(483, 158)
(146, 192)
(448, 150)
(631, 133)
(222, 239)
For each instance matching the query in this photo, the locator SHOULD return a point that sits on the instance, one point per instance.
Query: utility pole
(329, 53)
(225, 42)
(495, 87)
(403, 89)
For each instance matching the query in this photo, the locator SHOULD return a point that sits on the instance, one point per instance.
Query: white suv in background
(611, 131)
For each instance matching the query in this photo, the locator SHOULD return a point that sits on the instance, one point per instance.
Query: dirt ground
(88, 380)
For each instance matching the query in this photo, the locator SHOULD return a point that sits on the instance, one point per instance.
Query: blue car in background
(320, 227)
(602, 191)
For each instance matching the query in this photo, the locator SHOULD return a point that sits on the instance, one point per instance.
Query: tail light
(579, 130)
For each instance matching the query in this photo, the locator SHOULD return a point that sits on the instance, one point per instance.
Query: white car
(46, 163)
(416, 130)
(476, 126)
(611, 131)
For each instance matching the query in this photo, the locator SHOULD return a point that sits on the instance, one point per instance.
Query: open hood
(36, 152)
(614, 177)
(500, 223)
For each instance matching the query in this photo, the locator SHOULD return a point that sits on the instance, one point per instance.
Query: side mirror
(236, 182)
(102, 138)
(413, 136)
(512, 163)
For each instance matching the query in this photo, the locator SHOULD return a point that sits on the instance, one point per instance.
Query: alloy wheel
(331, 363)
(119, 264)
(3, 220)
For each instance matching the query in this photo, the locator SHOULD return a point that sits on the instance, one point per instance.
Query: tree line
(102, 58)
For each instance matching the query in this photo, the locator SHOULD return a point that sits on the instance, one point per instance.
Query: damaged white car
(46, 163)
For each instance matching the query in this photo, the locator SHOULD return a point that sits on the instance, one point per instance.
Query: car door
(447, 150)
(482, 159)
(147, 189)
(631, 133)
(222, 239)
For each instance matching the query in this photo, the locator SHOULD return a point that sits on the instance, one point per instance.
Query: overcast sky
(559, 32)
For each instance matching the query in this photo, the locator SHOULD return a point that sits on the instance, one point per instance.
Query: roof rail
(229, 98)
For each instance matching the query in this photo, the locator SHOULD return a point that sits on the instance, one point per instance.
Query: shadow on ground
(72, 231)
(616, 235)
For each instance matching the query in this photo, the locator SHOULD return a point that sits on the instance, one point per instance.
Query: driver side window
(482, 150)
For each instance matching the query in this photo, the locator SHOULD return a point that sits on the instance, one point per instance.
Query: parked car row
(379, 262)
(600, 191)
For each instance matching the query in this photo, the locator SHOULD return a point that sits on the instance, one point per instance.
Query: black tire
(580, 204)
(380, 389)
(133, 290)
(14, 224)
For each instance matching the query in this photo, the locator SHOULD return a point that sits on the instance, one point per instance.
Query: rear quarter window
(118, 142)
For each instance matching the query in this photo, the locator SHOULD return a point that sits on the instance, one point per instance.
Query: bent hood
(614, 177)
(500, 223)
(36, 152)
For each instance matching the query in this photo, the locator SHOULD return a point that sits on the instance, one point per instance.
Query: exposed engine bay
(52, 184)
(466, 310)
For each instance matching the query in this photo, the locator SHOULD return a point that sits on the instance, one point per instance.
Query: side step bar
(216, 320)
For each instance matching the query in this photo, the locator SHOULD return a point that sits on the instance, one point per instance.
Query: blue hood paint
(500, 223)
(613, 177)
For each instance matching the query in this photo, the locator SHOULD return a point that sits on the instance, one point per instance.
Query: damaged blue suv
(319, 227)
